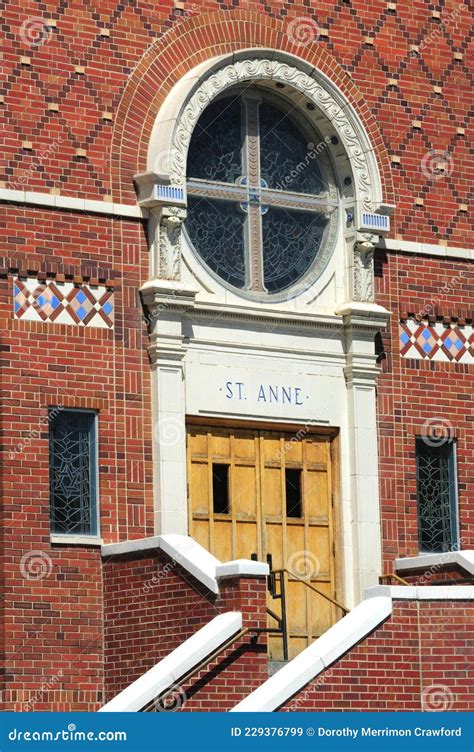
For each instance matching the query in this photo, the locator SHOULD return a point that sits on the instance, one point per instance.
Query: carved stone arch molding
(185, 104)
(227, 38)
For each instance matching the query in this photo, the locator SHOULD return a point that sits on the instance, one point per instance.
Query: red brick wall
(54, 364)
(55, 620)
(152, 605)
(371, 43)
(419, 659)
(412, 394)
(53, 627)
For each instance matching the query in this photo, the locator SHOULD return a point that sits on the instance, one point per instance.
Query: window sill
(77, 540)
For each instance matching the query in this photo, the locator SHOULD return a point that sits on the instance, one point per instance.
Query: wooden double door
(255, 493)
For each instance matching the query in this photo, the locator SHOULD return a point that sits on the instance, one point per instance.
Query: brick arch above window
(193, 42)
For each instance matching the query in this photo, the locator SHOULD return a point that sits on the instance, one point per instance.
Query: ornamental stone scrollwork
(365, 173)
(167, 205)
(168, 242)
(363, 275)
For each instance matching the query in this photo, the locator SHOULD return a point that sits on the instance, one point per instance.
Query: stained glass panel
(291, 240)
(436, 496)
(72, 482)
(215, 151)
(257, 161)
(288, 160)
(217, 232)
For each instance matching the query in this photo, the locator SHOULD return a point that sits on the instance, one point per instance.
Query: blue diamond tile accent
(404, 337)
(426, 334)
(448, 341)
(459, 344)
(427, 347)
(44, 300)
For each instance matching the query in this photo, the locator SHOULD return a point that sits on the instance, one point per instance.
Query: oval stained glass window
(258, 203)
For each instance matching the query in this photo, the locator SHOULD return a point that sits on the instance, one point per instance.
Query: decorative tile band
(63, 303)
(437, 341)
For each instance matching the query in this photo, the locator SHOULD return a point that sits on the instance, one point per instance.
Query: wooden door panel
(244, 492)
(316, 495)
(245, 445)
(219, 446)
(296, 600)
(255, 521)
(247, 542)
(271, 447)
(277, 545)
(319, 549)
(316, 450)
(271, 493)
(197, 442)
(222, 540)
(296, 646)
(202, 533)
(198, 485)
(292, 451)
(321, 611)
(295, 547)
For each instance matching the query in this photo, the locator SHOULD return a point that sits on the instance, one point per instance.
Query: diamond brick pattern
(409, 67)
(63, 303)
(437, 342)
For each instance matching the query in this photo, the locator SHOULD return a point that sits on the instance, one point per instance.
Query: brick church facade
(237, 347)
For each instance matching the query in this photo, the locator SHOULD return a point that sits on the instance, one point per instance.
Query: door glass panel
(220, 488)
(293, 488)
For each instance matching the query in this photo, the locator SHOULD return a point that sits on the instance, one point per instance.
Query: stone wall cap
(242, 568)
